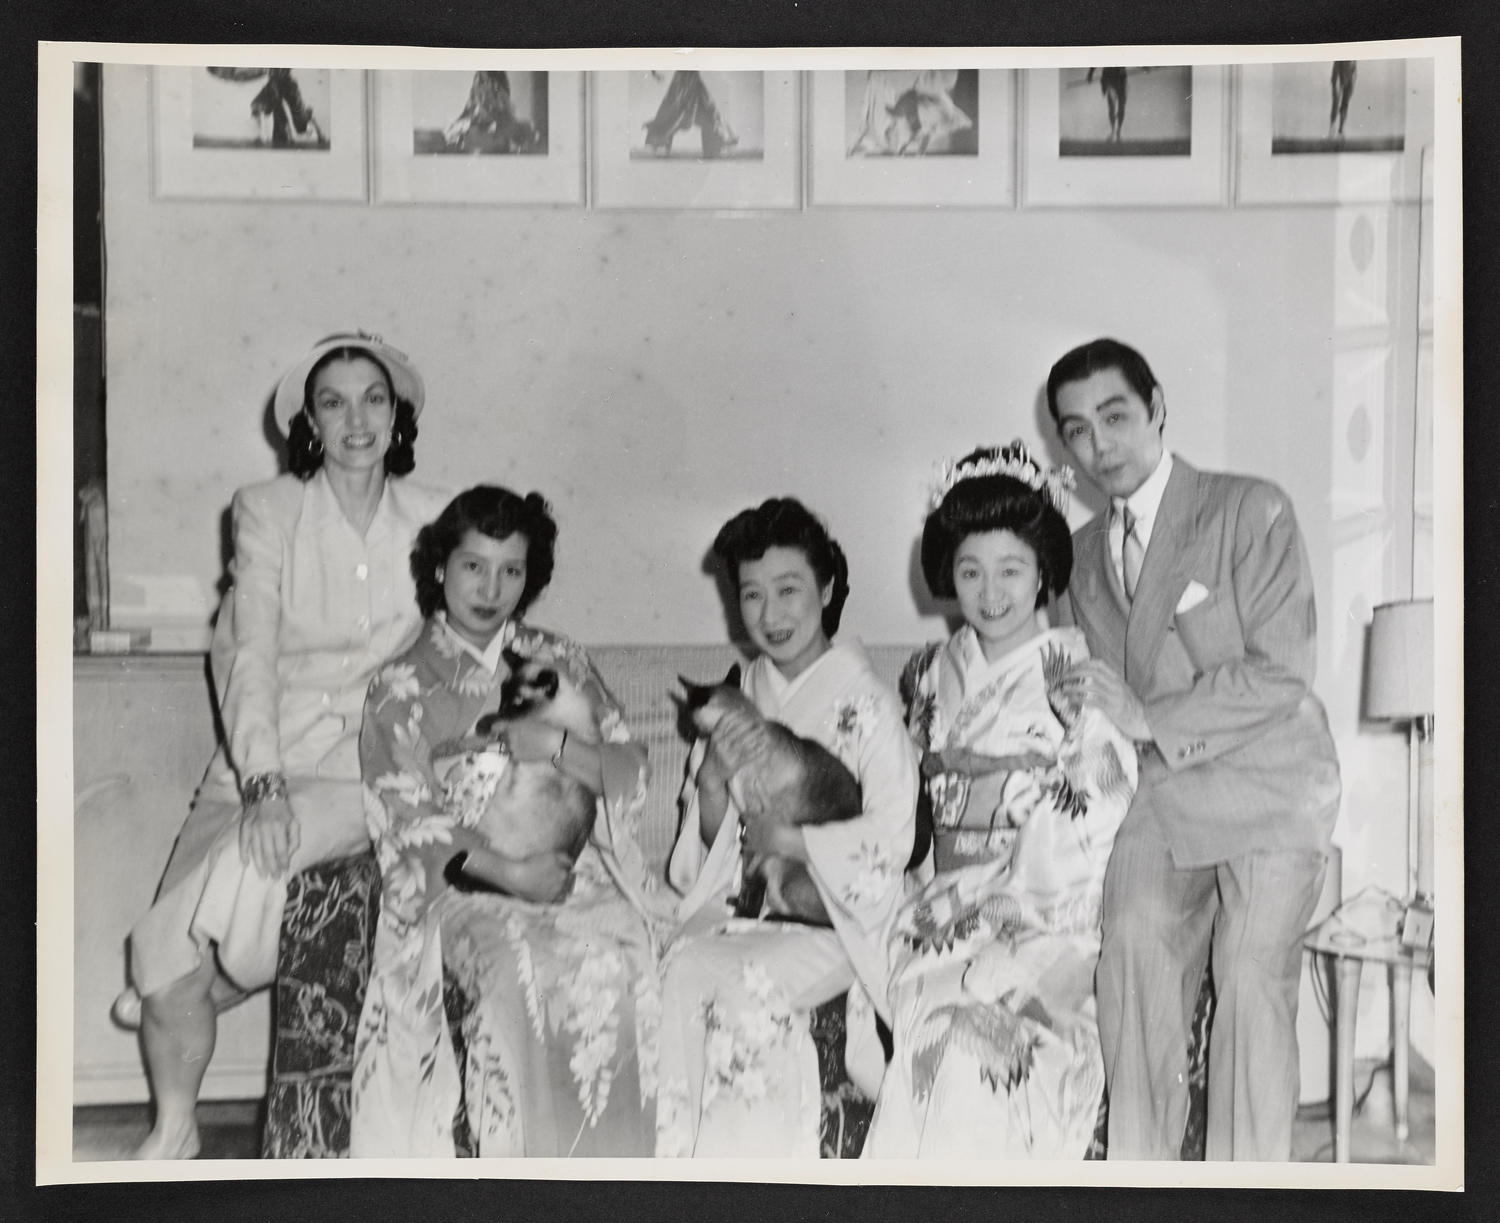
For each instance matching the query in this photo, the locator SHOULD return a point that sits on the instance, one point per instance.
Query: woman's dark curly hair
(996, 503)
(784, 522)
(498, 513)
(304, 453)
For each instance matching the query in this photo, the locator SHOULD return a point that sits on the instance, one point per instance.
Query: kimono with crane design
(996, 1040)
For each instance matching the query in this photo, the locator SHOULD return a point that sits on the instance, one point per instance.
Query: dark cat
(774, 771)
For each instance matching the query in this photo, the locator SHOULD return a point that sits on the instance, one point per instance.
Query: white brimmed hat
(406, 383)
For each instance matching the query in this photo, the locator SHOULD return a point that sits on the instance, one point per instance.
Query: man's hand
(1092, 682)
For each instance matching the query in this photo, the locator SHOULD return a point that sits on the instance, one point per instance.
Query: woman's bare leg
(178, 1030)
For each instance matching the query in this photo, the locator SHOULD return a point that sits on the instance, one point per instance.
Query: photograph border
(401, 177)
(771, 183)
(1449, 1171)
(1262, 177)
(180, 171)
(1100, 182)
(988, 179)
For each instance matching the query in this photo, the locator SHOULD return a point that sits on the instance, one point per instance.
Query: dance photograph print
(702, 116)
(245, 131)
(1125, 112)
(490, 113)
(1346, 106)
(926, 113)
(260, 108)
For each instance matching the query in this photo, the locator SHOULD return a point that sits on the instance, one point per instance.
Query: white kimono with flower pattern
(739, 1071)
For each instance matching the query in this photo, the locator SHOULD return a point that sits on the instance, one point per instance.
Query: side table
(1366, 929)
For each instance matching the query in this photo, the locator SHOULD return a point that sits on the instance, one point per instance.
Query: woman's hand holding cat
(531, 739)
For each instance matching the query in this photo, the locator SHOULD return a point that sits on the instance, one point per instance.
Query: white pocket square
(1195, 594)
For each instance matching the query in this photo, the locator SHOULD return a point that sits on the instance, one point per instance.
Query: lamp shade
(1398, 685)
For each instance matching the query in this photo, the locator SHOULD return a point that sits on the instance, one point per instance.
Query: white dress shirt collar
(1144, 502)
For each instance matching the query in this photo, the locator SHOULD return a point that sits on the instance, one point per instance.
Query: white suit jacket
(313, 612)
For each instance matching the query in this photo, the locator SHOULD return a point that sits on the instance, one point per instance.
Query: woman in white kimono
(738, 1069)
(992, 964)
(322, 596)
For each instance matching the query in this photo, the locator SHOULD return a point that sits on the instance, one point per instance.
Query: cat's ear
(692, 696)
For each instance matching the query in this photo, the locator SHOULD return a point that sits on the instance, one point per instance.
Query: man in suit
(1197, 601)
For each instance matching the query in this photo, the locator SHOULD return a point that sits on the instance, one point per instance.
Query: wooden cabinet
(143, 733)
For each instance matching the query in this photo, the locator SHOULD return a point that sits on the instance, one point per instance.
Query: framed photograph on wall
(259, 133)
(1333, 131)
(1141, 134)
(487, 137)
(688, 139)
(912, 136)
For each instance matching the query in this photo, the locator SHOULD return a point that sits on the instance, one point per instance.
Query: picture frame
(1180, 158)
(1278, 164)
(441, 136)
(719, 140)
(891, 171)
(259, 133)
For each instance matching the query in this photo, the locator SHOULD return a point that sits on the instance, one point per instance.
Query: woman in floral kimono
(739, 1073)
(554, 1048)
(992, 963)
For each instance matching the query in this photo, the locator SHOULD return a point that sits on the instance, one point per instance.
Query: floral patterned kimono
(739, 1072)
(992, 964)
(559, 1001)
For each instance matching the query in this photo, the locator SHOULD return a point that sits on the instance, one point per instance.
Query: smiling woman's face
(782, 607)
(352, 412)
(997, 579)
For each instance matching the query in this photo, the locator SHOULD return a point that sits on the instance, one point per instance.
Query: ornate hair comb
(1014, 460)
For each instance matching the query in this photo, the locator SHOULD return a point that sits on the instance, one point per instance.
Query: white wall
(655, 372)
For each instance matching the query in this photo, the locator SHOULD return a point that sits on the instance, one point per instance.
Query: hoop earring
(317, 446)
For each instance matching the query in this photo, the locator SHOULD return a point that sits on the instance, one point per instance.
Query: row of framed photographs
(1306, 132)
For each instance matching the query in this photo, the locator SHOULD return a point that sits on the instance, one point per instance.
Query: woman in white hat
(322, 595)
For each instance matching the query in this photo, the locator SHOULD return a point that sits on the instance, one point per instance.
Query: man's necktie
(1132, 552)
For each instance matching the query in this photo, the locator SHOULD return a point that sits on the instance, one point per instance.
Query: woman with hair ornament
(996, 1047)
